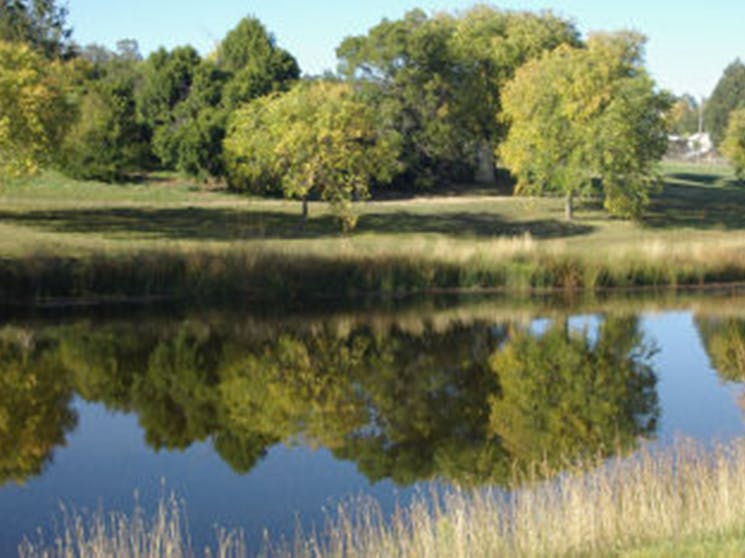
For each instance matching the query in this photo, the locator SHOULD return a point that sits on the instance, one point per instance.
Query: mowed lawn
(696, 220)
(698, 203)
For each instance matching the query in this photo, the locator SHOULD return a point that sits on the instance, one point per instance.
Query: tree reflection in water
(462, 402)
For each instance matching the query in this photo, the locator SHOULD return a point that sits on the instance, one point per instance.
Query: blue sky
(690, 43)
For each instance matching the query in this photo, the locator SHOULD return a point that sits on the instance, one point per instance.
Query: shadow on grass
(227, 224)
(698, 206)
(697, 178)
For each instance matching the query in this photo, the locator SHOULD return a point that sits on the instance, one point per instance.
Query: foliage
(728, 95)
(38, 23)
(564, 396)
(578, 115)
(733, 145)
(35, 413)
(256, 64)
(317, 138)
(437, 81)
(724, 342)
(190, 140)
(166, 80)
(34, 109)
(684, 116)
(403, 404)
(107, 141)
(190, 127)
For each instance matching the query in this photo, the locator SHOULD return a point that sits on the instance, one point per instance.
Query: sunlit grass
(60, 237)
(687, 500)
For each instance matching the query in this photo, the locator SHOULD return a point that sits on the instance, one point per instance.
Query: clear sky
(690, 43)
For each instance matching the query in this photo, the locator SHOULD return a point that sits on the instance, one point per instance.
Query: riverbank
(686, 500)
(61, 238)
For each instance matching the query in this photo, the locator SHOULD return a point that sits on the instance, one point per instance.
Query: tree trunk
(305, 208)
(568, 206)
(485, 172)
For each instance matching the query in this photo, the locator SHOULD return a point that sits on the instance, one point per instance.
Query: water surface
(259, 421)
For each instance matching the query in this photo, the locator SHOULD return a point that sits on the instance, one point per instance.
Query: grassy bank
(63, 238)
(685, 500)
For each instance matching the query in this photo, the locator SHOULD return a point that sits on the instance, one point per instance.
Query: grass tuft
(687, 499)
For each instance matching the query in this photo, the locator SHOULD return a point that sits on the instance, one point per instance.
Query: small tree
(316, 138)
(582, 114)
(733, 146)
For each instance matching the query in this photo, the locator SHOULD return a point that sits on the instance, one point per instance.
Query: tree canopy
(728, 95)
(685, 115)
(41, 24)
(579, 115)
(318, 139)
(107, 140)
(187, 102)
(34, 109)
(733, 146)
(437, 81)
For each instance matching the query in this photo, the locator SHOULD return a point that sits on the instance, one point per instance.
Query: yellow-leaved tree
(733, 146)
(317, 138)
(580, 117)
(34, 109)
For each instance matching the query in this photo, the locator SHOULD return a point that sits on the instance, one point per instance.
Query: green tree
(733, 146)
(685, 115)
(191, 140)
(578, 115)
(166, 80)
(728, 95)
(317, 138)
(256, 64)
(108, 141)
(247, 64)
(437, 81)
(34, 110)
(39, 23)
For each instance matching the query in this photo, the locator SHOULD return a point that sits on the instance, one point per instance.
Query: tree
(733, 146)
(34, 110)
(685, 116)
(437, 81)
(41, 24)
(107, 141)
(316, 139)
(191, 140)
(166, 81)
(578, 115)
(256, 64)
(246, 65)
(728, 95)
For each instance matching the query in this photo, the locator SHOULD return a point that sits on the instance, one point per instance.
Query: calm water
(256, 421)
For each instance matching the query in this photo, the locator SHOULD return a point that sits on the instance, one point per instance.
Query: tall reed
(688, 492)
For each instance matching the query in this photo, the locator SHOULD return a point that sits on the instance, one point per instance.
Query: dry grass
(686, 498)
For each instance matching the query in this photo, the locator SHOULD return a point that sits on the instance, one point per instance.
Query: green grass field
(60, 237)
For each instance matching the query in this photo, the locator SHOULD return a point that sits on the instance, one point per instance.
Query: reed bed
(333, 269)
(688, 496)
